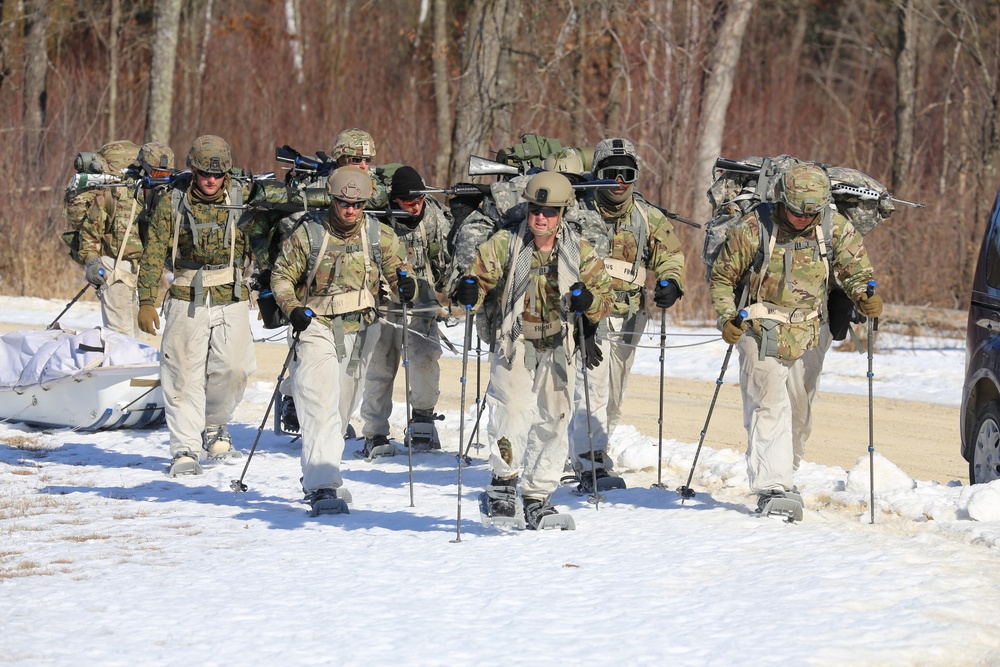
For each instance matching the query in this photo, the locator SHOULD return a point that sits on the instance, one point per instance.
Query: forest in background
(904, 90)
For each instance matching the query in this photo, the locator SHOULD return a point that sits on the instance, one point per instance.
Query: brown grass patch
(26, 443)
(86, 538)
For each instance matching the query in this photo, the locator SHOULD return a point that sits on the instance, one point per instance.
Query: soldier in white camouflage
(783, 340)
(423, 236)
(544, 274)
(207, 350)
(331, 303)
(110, 244)
(640, 245)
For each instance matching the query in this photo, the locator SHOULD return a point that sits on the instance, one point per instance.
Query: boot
(185, 463)
(217, 442)
(503, 496)
(377, 446)
(535, 509)
(423, 432)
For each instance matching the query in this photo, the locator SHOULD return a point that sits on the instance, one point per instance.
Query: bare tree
(297, 55)
(483, 89)
(36, 63)
(116, 19)
(442, 100)
(906, 90)
(718, 89)
(166, 19)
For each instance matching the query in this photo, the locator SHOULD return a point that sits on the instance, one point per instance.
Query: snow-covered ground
(104, 560)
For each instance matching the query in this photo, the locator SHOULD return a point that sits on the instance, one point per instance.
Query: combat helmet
(565, 161)
(618, 157)
(350, 184)
(804, 189)
(549, 188)
(118, 156)
(354, 142)
(156, 157)
(211, 154)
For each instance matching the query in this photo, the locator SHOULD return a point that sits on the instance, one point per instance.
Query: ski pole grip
(871, 288)
(740, 316)
(663, 283)
(468, 280)
(309, 312)
(100, 272)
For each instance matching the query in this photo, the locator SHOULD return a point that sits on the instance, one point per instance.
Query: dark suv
(981, 392)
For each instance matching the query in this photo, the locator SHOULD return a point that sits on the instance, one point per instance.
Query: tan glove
(731, 331)
(870, 306)
(149, 320)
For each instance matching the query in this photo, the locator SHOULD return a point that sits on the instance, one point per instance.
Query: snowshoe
(218, 444)
(605, 482)
(289, 418)
(376, 446)
(423, 432)
(498, 504)
(327, 501)
(540, 515)
(185, 463)
(787, 504)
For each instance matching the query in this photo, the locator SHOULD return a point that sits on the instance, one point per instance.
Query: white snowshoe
(787, 504)
(329, 501)
(185, 463)
(218, 444)
(541, 515)
(376, 446)
(498, 506)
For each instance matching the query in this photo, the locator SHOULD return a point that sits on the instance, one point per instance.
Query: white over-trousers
(326, 396)
(206, 358)
(119, 303)
(528, 411)
(606, 385)
(777, 410)
(423, 342)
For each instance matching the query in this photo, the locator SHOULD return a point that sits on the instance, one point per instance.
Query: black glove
(300, 318)
(580, 298)
(590, 344)
(467, 292)
(406, 286)
(666, 294)
(462, 205)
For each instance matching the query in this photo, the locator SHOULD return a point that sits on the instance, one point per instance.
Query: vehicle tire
(984, 459)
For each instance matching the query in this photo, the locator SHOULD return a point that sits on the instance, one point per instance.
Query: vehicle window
(993, 257)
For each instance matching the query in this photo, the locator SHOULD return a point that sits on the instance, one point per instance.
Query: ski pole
(686, 491)
(237, 485)
(659, 421)
(76, 298)
(872, 326)
(407, 437)
(595, 497)
(466, 344)
(481, 408)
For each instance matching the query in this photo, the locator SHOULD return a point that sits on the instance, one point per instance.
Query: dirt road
(921, 438)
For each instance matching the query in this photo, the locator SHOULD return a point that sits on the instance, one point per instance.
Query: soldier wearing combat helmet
(110, 245)
(331, 304)
(545, 274)
(783, 340)
(356, 148)
(640, 242)
(207, 346)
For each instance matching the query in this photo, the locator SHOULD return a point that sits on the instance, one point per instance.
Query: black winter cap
(404, 181)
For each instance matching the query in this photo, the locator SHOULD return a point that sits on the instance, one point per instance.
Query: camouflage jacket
(661, 255)
(341, 269)
(800, 282)
(211, 246)
(542, 296)
(102, 217)
(426, 248)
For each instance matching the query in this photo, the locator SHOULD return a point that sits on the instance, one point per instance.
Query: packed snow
(105, 560)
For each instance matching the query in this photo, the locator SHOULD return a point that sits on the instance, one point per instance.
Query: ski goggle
(625, 174)
(546, 211)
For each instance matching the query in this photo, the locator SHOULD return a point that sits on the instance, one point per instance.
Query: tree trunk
(715, 101)
(116, 19)
(442, 105)
(36, 27)
(483, 88)
(906, 92)
(166, 19)
(297, 57)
